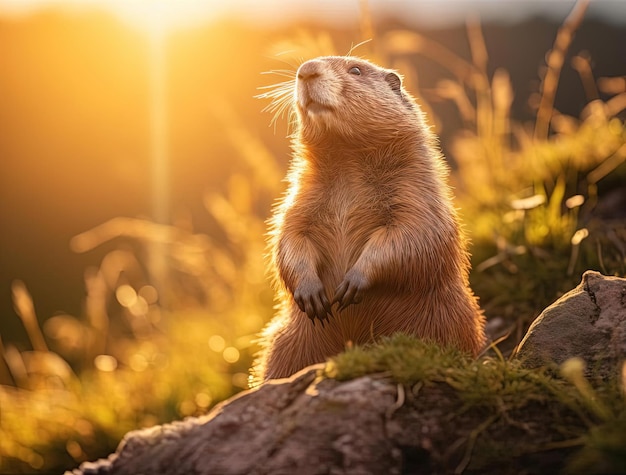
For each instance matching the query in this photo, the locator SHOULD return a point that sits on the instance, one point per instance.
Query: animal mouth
(313, 107)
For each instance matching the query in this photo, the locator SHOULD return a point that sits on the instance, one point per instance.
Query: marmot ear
(394, 82)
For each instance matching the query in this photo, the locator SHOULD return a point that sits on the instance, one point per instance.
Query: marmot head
(350, 98)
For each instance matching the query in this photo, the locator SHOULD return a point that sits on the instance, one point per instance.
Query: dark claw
(322, 307)
(350, 290)
(327, 305)
(310, 312)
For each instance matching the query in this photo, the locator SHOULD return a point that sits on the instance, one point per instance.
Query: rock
(310, 424)
(588, 322)
(294, 427)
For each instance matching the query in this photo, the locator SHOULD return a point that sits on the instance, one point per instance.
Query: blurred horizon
(75, 122)
(424, 13)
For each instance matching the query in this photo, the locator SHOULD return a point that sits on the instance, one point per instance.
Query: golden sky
(149, 14)
(169, 14)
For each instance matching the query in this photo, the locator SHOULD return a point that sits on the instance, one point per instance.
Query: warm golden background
(137, 169)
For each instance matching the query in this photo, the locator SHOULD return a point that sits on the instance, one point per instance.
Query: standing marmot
(367, 223)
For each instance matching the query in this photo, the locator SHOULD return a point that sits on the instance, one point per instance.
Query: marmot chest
(343, 216)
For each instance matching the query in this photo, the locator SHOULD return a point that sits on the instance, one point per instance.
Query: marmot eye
(354, 70)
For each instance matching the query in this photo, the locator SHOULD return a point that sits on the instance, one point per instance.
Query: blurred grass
(536, 200)
(139, 355)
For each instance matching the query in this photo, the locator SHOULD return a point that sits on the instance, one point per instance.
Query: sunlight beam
(159, 156)
(158, 119)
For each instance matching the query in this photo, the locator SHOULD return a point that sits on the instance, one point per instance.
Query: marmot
(366, 239)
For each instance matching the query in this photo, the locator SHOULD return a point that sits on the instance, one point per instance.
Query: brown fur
(367, 222)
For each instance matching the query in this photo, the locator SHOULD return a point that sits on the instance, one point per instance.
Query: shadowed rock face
(589, 322)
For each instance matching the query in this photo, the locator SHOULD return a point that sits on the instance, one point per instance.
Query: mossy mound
(491, 415)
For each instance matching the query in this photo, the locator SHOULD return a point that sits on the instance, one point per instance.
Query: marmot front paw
(311, 298)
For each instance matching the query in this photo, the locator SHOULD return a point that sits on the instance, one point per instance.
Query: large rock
(589, 322)
(283, 427)
(310, 424)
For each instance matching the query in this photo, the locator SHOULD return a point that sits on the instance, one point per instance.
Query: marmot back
(366, 241)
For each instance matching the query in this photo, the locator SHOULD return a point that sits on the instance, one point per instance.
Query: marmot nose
(310, 70)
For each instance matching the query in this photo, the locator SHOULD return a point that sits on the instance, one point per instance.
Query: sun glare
(155, 20)
(156, 17)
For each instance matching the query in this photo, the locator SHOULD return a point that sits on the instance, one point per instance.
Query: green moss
(409, 361)
(406, 359)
